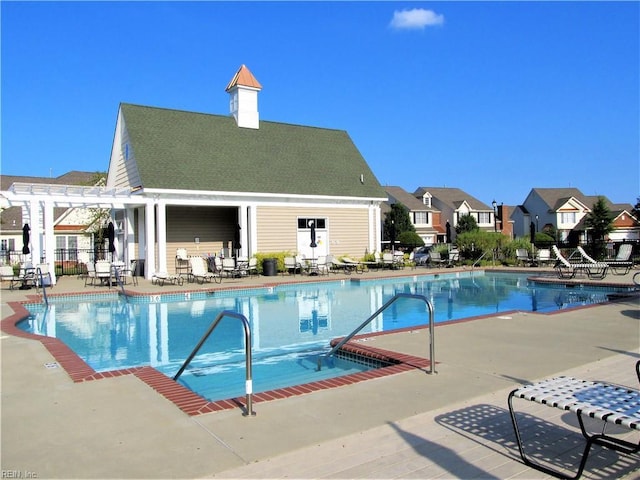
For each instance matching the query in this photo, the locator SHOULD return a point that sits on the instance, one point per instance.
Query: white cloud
(416, 18)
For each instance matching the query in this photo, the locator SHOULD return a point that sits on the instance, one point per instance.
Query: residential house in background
(425, 218)
(453, 203)
(562, 211)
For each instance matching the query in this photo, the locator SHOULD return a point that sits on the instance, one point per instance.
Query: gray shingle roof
(193, 151)
(407, 199)
(453, 197)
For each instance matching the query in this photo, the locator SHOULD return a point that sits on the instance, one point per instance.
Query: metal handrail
(432, 348)
(478, 260)
(247, 346)
(41, 282)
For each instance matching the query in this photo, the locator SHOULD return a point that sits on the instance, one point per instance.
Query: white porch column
(129, 235)
(36, 231)
(244, 231)
(49, 240)
(150, 240)
(375, 226)
(253, 229)
(162, 236)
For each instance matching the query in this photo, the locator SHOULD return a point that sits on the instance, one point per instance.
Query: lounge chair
(160, 278)
(182, 262)
(337, 265)
(7, 275)
(607, 402)
(200, 273)
(622, 263)
(376, 263)
(565, 269)
(357, 266)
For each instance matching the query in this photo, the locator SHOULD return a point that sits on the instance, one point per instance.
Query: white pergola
(39, 199)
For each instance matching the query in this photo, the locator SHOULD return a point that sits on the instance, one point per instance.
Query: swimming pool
(291, 324)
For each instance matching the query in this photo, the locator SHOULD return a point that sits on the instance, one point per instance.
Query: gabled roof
(244, 78)
(412, 203)
(453, 197)
(180, 150)
(557, 197)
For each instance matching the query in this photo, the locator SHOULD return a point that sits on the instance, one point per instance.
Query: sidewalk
(409, 425)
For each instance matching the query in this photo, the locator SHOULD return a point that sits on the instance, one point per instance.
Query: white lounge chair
(160, 278)
(598, 401)
(622, 263)
(200, 273)
(566, 269)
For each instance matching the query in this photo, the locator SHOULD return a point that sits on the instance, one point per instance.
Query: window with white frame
(421, 218)
(484, 217)
(568, 217)
(426, 199)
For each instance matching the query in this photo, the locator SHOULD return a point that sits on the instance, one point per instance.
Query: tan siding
(348, 228)
(214, 226)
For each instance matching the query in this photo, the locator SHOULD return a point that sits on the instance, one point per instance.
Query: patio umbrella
(448, 231)
(25, 238)
(111, 236)
(392, 235)
(312, 225)
(532, 232)
(236, 241)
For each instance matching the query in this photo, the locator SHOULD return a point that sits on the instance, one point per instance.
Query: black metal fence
(67, 261)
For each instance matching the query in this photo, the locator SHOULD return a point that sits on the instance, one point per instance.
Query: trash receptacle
(270, 267)
(139, 270)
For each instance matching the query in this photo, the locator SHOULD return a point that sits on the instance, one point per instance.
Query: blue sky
(494, 98)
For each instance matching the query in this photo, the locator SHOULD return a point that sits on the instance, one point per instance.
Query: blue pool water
(291, 325)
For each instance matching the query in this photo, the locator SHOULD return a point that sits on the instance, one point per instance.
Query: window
(568, 217)
(484, 217)
(303, 223)
(421, 218)
(426, 200)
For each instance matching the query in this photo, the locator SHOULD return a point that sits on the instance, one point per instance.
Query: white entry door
(304, 237)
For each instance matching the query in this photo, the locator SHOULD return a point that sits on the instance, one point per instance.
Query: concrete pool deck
(453, 424)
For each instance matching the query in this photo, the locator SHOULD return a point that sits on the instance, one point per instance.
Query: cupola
(243, 98)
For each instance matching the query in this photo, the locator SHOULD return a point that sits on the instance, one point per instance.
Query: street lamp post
(495, 214)
(537, 229)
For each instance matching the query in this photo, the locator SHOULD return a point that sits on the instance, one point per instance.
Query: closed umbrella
(448, 232)
(532, 232)
(236, 243)
(312, 225)
(111, 237)
(25, 238)
(392, 235)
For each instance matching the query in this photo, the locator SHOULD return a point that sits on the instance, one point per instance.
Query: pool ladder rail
(247, 346)
(432, 350)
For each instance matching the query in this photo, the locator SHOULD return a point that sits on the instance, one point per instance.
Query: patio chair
(160, 278)
(599, 401)
(543, 257)
(376, 263)
(200, 273)
(622, 263)
(291, 266)
(7, 275)
(388, 260)
(454, 257)
(229, 267)
(522, 257)
(322, 265)
(252, 266)
(567, 270)
(43, 276)
(90, 275)
(436, 259)
(104, 273)
(182, 261)
(357, 266)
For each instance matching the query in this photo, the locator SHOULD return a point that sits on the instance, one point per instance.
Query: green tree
(636, 210)
(399, 219)
(466, 223)
(600, 223)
